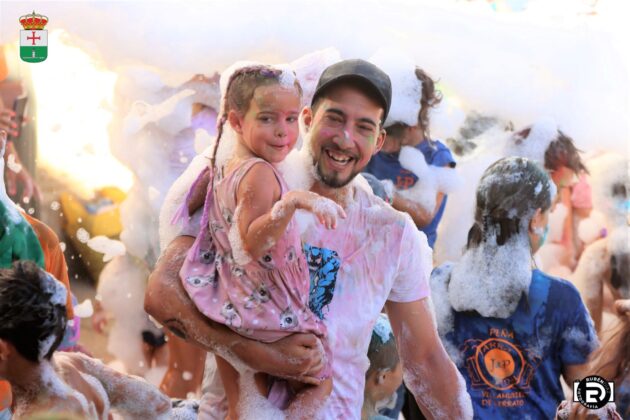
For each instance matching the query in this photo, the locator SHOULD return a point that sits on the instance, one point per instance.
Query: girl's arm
(263, 216)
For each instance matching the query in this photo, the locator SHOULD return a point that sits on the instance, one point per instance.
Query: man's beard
(332, 180)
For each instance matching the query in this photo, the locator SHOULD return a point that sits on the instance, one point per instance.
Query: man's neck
(338, 195)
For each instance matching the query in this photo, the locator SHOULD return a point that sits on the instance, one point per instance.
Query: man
(385, 261)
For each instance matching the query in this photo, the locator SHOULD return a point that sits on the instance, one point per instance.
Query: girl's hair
(28, 314)
(509, 193)
(240, 91)
(430, 99)
(383, 355)
(562, 152)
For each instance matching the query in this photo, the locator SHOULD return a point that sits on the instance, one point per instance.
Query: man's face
(345, 133)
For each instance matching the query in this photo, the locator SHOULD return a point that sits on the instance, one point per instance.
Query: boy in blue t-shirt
(385, 165)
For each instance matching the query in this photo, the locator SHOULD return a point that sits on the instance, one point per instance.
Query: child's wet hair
(28, 314)
(562, 152)
(431, 98)
(509, 193)
(382, 352)
(240, 90)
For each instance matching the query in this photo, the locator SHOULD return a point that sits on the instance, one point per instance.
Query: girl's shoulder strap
(237, 174)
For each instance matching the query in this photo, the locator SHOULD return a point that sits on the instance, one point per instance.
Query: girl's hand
(326, 210)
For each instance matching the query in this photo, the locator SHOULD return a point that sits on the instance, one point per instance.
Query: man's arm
(298, 356)
(429, 373)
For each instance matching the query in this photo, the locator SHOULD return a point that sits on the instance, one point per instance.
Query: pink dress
(265, 300)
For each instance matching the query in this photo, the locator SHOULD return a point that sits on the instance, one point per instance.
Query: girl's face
(269, 128)
(563, 177)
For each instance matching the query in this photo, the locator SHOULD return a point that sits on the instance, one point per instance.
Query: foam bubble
(383, 328)
(406, 87)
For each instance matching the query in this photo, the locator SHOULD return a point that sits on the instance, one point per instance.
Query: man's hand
(16, 175)
(7, 122)
(298, 356)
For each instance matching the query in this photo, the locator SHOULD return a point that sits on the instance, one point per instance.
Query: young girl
(512, 330)
(246, 269)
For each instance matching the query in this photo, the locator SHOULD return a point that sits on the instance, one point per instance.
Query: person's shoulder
(561, 292)
(47, 237)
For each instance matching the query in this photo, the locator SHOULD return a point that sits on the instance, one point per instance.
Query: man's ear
(236, 121)
(307, 117)
(380, 140)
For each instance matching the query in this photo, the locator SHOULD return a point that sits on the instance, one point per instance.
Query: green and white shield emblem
(33, 45)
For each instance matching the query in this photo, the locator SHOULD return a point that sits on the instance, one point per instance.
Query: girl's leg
(182, 357)
(230, 379)
(308, 400)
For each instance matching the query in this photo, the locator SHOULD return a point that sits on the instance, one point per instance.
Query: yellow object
(80, 223)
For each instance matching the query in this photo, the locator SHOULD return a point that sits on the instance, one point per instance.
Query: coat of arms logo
(33, 39)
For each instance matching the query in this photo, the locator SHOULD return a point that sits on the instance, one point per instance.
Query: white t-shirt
(383, 257)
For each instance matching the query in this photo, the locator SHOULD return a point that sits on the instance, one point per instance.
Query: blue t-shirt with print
(512, 366)
(386, 166)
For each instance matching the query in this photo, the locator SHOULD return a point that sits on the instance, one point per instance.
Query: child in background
(563, 161)
(384, 375)
(246, 269)
(27, 238)
(410, 130)
(544, 142)
(32, 323)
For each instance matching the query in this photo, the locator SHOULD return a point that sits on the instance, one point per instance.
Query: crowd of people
(297, 260)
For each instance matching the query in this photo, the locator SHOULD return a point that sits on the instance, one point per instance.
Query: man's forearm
(429, 373)
(298, 356)
(438, 388)
(167, 301)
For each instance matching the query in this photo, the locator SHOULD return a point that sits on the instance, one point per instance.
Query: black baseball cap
(358, 69)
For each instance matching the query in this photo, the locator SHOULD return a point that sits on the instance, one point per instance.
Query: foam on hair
(32, 310)
(382, 352)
